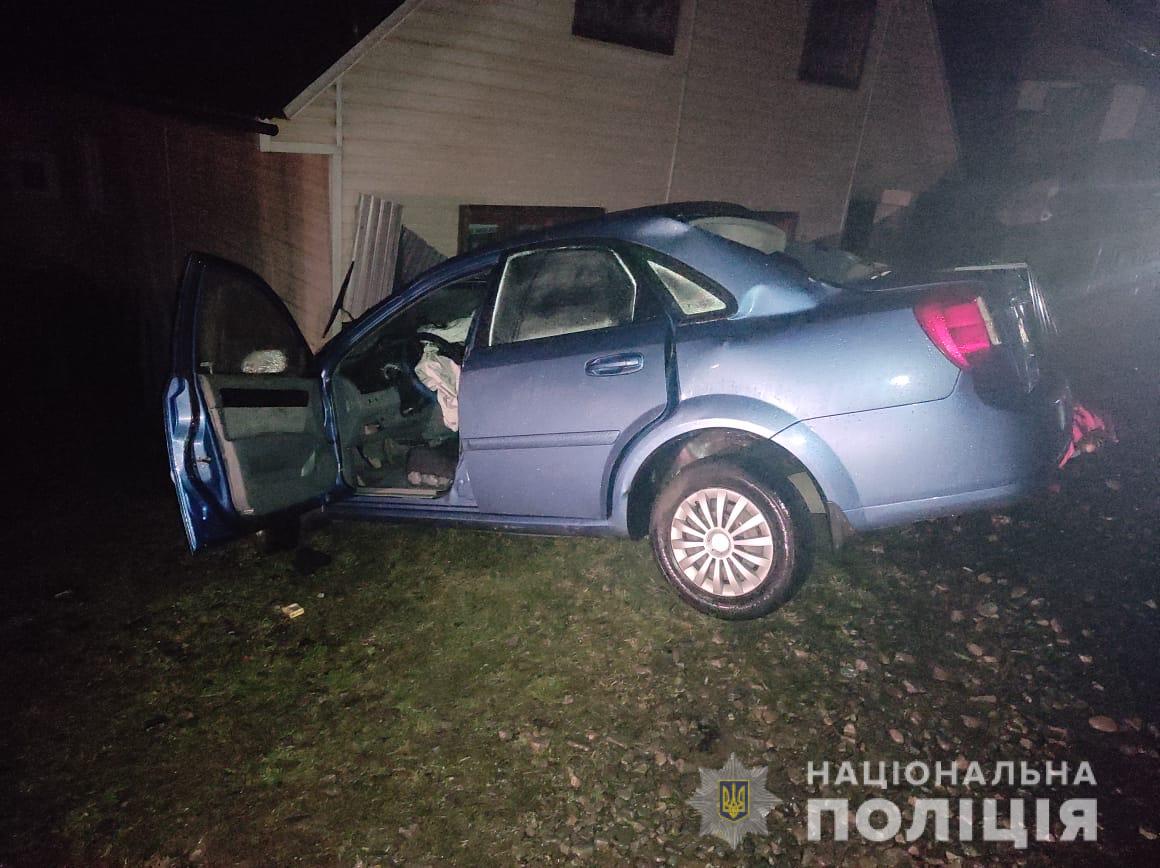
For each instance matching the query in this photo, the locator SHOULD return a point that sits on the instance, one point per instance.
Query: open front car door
(244, 418)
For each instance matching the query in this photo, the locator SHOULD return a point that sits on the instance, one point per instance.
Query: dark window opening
(481, 225)
(243, 329)
(650, 25)
(837, 36)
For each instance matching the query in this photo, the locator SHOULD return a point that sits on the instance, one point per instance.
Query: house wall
(133, 192)
(223, 196)
(314, 125)
(753, 133)
(910, 139)
(1075, 187)
(1081, 85)
(497, 103)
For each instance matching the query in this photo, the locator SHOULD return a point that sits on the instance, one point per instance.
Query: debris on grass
(1103, 723)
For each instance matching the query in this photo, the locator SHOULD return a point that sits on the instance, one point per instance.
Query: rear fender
(827, 469)
(735, 413)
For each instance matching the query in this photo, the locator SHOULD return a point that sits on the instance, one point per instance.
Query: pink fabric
(1088, 433)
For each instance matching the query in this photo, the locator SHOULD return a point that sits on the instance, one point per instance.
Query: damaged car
(681, 372)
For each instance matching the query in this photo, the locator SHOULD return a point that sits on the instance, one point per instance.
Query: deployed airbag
(439, 373)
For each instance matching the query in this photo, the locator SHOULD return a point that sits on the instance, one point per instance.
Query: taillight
(959, 325)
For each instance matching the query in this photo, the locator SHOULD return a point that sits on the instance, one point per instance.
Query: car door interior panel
(243, 397)
(275, 449)
(244, 405)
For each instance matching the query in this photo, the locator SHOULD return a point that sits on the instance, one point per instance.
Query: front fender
(736, 413)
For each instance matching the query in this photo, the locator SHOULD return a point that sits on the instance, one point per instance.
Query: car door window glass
(242, 329)
(546, 293)
(690, 297)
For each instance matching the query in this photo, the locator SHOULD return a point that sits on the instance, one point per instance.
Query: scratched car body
(677, 371)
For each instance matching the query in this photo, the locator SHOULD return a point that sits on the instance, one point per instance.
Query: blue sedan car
(676, 371)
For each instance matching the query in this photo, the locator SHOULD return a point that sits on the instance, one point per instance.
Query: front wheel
(728, 543)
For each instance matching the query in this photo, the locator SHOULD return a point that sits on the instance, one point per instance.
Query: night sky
(245, 57)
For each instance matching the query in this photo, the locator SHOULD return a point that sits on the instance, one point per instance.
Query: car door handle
(611, 366)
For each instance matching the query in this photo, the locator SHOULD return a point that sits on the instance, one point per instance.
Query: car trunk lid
(990, 318)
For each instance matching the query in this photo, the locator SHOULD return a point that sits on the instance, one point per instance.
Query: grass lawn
(491, 699)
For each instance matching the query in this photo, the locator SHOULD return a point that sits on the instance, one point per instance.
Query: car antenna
(338, 302)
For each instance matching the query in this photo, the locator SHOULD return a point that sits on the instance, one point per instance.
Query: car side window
(546, 293)
(241, 329)
(692, 298)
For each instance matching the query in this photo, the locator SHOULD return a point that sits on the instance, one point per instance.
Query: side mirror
(265, 362)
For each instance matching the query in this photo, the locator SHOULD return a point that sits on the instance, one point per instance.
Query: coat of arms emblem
(733, 801)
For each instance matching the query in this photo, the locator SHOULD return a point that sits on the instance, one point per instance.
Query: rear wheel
(728, 543)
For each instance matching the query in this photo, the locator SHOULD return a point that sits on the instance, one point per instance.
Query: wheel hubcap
(722, 542)
(719, 543)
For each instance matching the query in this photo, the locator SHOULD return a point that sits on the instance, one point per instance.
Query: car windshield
(817, 259)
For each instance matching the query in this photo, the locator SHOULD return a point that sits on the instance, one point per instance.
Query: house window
(650, 25)
(837, 36)
(480, 225)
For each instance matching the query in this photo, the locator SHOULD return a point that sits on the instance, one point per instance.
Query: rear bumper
(937, 458)
(909, 511)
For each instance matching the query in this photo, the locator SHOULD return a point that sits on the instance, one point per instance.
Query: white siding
(498, 103)
(436, 220)
(910, 139)
(314, 125)
(751, 131)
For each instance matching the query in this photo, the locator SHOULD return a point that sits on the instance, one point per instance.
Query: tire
(742, 560)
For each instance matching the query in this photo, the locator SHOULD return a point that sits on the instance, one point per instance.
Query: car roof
(632, 224)
(666, 228)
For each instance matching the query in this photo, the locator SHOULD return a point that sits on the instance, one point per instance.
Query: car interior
(396, 395)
